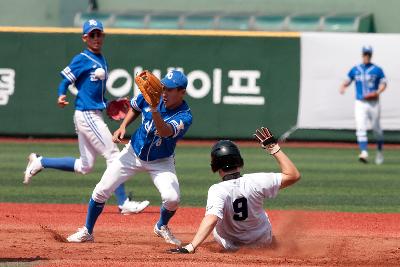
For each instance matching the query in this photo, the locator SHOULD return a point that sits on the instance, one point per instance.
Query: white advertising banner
(326, 58)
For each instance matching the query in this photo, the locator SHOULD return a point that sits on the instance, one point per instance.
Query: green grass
(332, 179)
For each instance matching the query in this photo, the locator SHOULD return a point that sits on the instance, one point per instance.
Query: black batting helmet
(225, 155)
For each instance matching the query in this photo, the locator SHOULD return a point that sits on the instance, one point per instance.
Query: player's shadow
(132, 214)
(22, 259)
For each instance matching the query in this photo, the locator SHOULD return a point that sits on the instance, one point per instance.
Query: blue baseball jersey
(91, 90)
(146, 143)
(367, 79)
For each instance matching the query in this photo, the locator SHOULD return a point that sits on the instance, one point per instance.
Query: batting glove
(188, 249)
(267, 140)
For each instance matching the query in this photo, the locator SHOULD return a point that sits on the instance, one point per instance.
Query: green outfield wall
(236, 83)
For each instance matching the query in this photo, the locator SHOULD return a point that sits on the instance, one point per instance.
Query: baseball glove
(150, 86)
(117, 109)
(267, 140)
(371, 96)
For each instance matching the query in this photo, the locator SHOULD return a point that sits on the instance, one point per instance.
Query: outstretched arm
(62, 91)
(344, 86)
(129, 118)
(290, 174)
(206, 226)
(381, 88)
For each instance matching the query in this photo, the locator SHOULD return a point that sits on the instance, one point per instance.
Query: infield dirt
(33, 234)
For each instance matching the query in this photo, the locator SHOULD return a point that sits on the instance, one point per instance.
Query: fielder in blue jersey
(151, 150)
(88, 72)
(370, 82)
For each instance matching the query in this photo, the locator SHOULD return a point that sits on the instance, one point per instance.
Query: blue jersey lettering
(146, 143)
(367, 79)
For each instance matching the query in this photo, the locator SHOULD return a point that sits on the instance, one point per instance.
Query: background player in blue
(88, 71)
(370, 82)
(151, 150)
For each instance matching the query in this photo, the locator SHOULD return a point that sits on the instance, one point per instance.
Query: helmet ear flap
(214, 166)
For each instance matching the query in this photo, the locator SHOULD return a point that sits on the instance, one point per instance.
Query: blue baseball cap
(175, 79)
(91, 25)
(367, 49)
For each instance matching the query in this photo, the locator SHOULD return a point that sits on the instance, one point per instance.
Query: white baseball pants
(263, 241)
(127, 164)
(367, 113)
(258, 241)
(94, 138)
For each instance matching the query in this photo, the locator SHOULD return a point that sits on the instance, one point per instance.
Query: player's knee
(225, 243)
(361, 133)
(170, 200)
(361, 136)
(111, 154)
(100, 196)
(86, 169)
(83, 167)
(378, 133)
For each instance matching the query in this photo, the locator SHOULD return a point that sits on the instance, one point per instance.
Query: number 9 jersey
(238, 203)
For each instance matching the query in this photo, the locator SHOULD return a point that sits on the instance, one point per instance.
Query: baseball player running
(370, 82)
(88, 71)
(234, 211)
(151, 150)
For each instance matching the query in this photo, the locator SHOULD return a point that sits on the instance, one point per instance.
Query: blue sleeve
(74, 69)
(137, 103)
(382, 78)
(181, 124)
(63, 87)
(106, 69)
(352, 74)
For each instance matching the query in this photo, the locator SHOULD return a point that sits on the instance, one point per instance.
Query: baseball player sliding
(370, 82)
(151, 150)
(88, 71)
(234, 211)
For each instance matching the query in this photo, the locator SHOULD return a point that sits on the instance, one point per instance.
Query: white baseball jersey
(238, 203)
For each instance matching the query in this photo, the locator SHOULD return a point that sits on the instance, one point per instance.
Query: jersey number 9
(240, 209)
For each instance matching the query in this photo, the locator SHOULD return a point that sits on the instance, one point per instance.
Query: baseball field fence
(237, 80)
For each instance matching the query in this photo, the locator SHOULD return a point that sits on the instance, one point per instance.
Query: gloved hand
(267, 140)
(150, 86)
(188, 249)
(117, 109)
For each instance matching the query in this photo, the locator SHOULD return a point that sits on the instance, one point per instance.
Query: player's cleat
(34, 166)
(165, 233)
(363, 157)
(81, 236)
(130, 207)
(379, 158)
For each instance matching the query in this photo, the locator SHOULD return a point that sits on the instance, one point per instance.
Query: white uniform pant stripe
(92, 126)
(89, 143)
